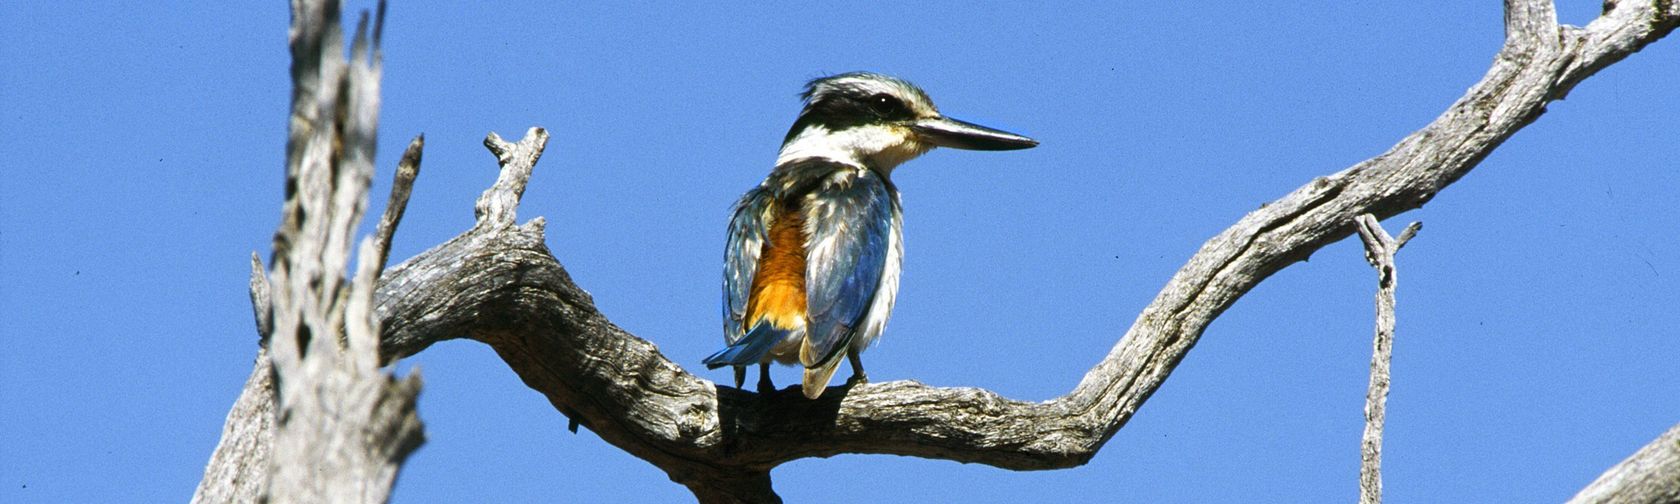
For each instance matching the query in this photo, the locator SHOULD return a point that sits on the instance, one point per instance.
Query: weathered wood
(498, 283)
(1379, 251)
(402, 186)
(342, 427)
(319, 422)
(501, 286)
(238, 469)
(1651, 475)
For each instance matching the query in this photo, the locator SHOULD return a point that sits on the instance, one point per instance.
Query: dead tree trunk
(498, 283)
(319, 421)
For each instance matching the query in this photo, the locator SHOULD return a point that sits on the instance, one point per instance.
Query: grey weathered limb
(318, 421)
(723, 445)
(1650, 475)
(1379, 251)
(500, 284)
(262, 299)
(498, 206)
(402, 186)
(238, 469)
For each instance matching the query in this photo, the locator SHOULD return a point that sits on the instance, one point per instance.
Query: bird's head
(880, 121)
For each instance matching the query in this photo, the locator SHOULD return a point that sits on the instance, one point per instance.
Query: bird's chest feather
(778, 290)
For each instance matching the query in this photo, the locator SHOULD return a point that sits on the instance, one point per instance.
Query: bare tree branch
(1650, 475)
(499, 204)
(402, 186)
(262, 299)
(1379, 251)
(238, 469)
(498, 283)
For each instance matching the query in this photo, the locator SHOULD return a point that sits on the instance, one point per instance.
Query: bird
(814, 252)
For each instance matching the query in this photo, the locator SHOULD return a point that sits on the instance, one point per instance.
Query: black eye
(885, 105)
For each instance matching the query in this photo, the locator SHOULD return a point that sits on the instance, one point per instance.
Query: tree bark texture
(319, 422)
(498, 283)
(1651, 475)
(1379, 251)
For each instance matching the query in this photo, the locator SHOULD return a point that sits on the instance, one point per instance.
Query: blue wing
(740, 258)
(847, 254)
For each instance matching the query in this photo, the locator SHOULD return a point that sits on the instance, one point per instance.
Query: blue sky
(143, 155)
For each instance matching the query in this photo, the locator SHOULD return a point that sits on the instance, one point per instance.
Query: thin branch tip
(1407, 234)
(262, 299)
(402, 187)
(412, 155)
(379, 26)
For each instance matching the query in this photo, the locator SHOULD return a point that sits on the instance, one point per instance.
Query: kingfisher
(811, 266)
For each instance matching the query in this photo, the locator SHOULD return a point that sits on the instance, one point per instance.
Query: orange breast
(778, 289)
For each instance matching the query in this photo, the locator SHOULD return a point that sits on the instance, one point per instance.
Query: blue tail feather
(750, 349)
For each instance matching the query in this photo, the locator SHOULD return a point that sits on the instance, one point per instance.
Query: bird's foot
(857, 379)
(859, 376)
(765, 387)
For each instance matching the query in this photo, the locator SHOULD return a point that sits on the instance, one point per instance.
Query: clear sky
(143, 156)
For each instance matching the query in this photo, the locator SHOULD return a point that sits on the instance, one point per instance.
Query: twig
(499, 204)
(262, 299)
(1379, 251)
(402, 186)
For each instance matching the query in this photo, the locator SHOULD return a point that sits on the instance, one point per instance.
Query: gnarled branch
(501, 286)
(498, 283)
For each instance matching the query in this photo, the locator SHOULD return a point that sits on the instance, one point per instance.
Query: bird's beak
(948, 132)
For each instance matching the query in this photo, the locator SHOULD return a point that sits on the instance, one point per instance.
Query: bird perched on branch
(812, 262)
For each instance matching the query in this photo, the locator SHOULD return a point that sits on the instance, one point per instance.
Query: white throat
(879, 146)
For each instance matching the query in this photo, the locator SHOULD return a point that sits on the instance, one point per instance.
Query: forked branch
(1379, 251)
(549, 331)
(498, 283)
